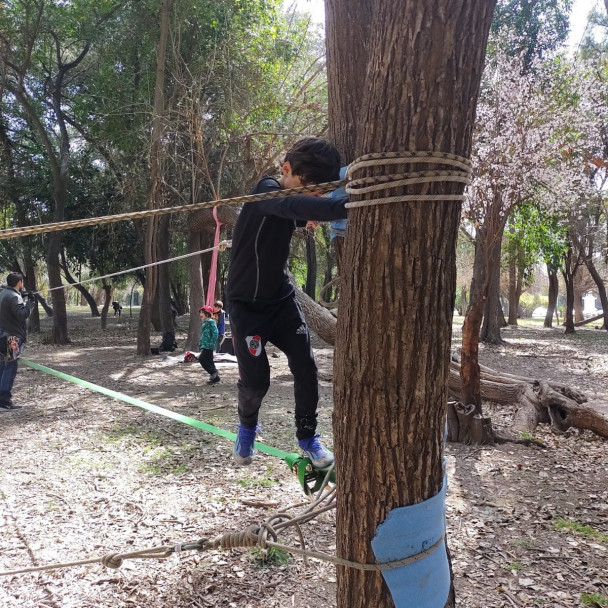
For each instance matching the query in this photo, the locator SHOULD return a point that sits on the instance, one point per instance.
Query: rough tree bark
(487, 249)
(155, 191)
(493, 317)
(197, 291)
(422, 64)
(164, 280)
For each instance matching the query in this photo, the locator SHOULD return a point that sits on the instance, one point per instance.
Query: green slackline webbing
(209, 428)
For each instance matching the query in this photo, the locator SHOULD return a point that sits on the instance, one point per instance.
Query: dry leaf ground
(83, 475)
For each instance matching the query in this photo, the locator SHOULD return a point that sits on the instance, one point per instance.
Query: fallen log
(537, 402)
(591, 320)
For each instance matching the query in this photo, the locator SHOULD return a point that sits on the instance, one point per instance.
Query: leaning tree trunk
(422, 64)
(601, 288)
(84, 292)
(553, 292)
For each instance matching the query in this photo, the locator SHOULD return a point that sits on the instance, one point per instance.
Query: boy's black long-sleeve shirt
(261, 238)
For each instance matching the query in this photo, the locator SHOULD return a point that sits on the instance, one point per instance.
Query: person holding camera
(13, 334)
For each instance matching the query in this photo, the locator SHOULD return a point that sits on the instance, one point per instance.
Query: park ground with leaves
(83, 475)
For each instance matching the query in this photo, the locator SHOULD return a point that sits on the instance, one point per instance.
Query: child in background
(207, 343)
(220, 318)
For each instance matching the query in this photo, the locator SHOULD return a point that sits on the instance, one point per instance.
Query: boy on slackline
(261, 299)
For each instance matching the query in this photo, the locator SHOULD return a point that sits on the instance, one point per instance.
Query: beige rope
(10, 233)
(368, 160)
(367, 185)
(221, 246)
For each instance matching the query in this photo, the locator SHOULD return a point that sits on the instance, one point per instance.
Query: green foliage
(530, 28)
(529, 302)
(264, 558)
(598, 600)
(535, 235)
(575, 526)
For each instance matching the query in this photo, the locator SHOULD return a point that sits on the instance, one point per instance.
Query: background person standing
(13, 334)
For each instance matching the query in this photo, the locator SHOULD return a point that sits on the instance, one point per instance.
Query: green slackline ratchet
(310, 478)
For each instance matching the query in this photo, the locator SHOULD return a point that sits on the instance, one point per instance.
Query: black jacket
(261, 238)
(13, 313)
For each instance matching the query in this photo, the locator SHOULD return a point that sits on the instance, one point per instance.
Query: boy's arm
(301, 206)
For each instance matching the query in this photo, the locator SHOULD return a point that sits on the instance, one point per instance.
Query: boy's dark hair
(218, 304)
(13, 279)
(314, 160)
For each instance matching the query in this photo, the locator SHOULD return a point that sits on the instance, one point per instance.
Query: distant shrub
(529, 302)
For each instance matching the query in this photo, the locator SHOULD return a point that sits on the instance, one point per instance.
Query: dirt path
(83, 475)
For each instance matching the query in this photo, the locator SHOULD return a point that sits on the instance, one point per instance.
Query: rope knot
(112, 560)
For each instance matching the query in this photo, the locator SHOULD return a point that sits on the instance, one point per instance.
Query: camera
(28, 295)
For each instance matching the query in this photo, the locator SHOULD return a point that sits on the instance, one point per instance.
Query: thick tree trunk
(422, 64)
(553, 292)
(60, 317)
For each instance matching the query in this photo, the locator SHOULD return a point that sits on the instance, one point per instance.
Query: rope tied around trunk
(461, 173)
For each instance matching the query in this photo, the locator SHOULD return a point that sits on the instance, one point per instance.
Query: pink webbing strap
(213, 270)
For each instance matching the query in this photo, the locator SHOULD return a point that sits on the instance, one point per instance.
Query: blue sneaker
(319, 455)
(243, 446)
